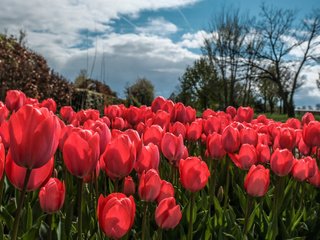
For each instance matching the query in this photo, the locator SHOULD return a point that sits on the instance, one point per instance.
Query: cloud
(194, 40)
(130, 56)
(158, 26)
(71, 34)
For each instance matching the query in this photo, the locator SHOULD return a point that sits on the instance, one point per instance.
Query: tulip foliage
(155, 172)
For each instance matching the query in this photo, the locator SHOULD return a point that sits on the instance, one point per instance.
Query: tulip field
(155, 172)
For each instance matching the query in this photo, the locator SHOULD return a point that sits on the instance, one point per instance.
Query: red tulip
(149, 185)
(118, 123)
(81, 152)
(194, 130)
(102, 129)
(113, 111)
(257, 181)
(34, 136)
(67, 114)
(306, 118)
(38, 176)
(281, 162)
(246, 158)
(315, 179)
(212, 124)
(4, 134)
(161, 118)
(214, 146)
(153, 134)
(311, 134)
(15, 99)
(157, 103)
(50, 104)
(244, 114)
(172, 147)
(134, 137)
(51, 195)
(166, 191)
(129, 187)
(304, 168)
(177, 129)
(116, 214)
(179, 113)
(293, 123)
(248, 135)
(148, 157)
(134, 115)
(194, 173)
(303, 148)
(232, 111)
(263, 153)
(119, 157)
(2, 159)
(4, 112)
(230, 139)
(168, 213)
(286, 138)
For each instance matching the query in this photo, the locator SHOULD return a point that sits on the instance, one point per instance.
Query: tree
(140, 93)
(200, 86)
(224, 49)
(280, 39)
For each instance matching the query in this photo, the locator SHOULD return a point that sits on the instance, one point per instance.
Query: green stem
(144, 221)
(159, 233)
(20, 205)
(190, 230)
(116, 185)
(80, 193)
(277, 204)
(1, 188)
(247, 215)
(50, 226)
(226, 196)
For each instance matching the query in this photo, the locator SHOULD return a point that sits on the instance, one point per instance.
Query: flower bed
(155, 172)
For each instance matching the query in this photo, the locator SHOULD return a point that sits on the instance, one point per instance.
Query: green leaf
(29, 216)
(194, 213)
(252, 216)
(6, 217)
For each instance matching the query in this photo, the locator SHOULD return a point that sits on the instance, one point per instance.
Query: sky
(119, 41)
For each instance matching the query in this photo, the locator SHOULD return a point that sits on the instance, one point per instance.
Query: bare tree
(224, 48)
(287, 48)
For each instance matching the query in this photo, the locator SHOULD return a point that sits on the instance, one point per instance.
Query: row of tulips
(155, 172)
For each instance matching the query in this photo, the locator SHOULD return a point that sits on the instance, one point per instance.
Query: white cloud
(158, 26)
(194, 40)
(58, 31)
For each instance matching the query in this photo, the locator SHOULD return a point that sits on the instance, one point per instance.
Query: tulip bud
(257, 181)
(51, 195)
(119, 157)
(149, 185)
(246, 158)
(194, 173)
(168, 213)
(34, 136)
(116, 214)
(172, 147)
(281, 162)
(15, 99)
(304, 168)
(230, 139)
(129, 187)
(166, 191)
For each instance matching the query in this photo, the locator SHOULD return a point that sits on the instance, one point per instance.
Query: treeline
(252, 61)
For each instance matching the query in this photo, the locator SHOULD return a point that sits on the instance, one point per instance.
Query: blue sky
(126, 39)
